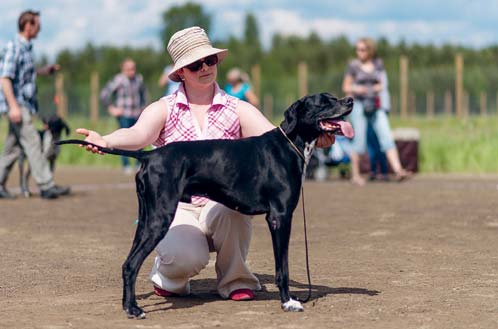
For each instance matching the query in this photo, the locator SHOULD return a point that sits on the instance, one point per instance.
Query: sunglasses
(196, 66)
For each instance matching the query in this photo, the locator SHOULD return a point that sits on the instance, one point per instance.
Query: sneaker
(166, 293)
(54, 192)
(241, 295)
(63, 190)
(4, 194)
(163, 293)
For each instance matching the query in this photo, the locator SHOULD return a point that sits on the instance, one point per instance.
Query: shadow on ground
(201, 296)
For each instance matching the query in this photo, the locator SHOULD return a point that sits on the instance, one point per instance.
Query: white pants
(196, 231)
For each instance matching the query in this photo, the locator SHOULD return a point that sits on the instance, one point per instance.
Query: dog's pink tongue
(346, 129)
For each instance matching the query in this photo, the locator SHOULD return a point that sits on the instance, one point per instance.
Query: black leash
(304, 220)
(306, 249)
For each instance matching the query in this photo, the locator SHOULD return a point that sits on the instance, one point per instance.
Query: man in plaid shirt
(128, 90)
(18, 100)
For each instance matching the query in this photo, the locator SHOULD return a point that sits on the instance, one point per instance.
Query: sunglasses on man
(196, 66)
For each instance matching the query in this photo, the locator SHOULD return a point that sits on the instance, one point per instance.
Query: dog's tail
(133, 154)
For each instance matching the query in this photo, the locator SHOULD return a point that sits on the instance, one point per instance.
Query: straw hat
(188, 46)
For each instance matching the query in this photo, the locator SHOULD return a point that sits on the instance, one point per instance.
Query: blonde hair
(237, 75)
(127, 60)
(370, 45)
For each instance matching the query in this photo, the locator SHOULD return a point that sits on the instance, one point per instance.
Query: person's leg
(230, 232)
(377, 157)
(11, 152)
(372, 147)
(386, 141)
(30, 142)
(130, 122)
(123, 123)
(182, 253)
(358, 144)
(382, 160)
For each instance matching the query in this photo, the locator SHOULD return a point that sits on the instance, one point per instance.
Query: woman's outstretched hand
(92, 137)
(325, 140)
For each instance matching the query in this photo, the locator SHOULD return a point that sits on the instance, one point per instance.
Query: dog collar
(292, 144)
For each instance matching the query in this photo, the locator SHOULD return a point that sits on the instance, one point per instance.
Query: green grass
(447, 145)
(450, 145)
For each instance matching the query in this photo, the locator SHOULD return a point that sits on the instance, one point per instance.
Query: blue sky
(73, 23)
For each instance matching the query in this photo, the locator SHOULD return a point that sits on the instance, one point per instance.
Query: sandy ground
(421, 254)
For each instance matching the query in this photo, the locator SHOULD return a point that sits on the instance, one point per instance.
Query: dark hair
(26, 17)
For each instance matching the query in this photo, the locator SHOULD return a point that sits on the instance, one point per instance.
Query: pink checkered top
(181, 125)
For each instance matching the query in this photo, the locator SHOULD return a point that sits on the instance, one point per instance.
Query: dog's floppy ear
(290, 116)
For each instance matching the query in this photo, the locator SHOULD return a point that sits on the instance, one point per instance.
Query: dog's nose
(348, 101)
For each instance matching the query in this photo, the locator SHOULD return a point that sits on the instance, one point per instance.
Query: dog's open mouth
(337, 127)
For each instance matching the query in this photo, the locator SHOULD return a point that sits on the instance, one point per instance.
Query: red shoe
(241, 295)
(163, 293)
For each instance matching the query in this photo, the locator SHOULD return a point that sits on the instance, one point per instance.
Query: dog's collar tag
(308, 151)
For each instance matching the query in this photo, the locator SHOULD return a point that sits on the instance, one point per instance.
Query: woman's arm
(351, 89)
(143, 133)
(252, 121)
(347, 85)
(252, 98)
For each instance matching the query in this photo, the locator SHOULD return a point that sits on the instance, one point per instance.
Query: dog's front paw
(292, 306)
(134, 312)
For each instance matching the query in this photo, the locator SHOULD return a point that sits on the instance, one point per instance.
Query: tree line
(430, 67)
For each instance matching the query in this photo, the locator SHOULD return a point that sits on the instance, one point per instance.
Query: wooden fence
(404, 102)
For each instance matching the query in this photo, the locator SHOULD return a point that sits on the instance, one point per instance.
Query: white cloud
(71, 24)
(288, 22)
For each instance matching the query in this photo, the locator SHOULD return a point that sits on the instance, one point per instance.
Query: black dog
(52, 131)
(256, 175)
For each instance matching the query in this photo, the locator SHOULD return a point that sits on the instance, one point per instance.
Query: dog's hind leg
(155, 217)
(147, 236)
(280, 228)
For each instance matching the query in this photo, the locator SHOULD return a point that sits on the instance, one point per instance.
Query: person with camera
(364, 80)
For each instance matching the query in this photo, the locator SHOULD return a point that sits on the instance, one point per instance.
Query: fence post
(448, 106)
(256, 79)
(268, 106)
(60, 95)
(412, 104)
(403, 93)
(483, 103)
(430, 103)
(394, 105)
(496, 103)
(465, 103)
(94, 98)
(302, 77)
(459, 85)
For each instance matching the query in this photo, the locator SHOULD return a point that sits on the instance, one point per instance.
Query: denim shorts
(380, 124)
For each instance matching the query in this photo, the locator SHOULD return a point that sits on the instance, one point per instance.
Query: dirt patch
(422, 254)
